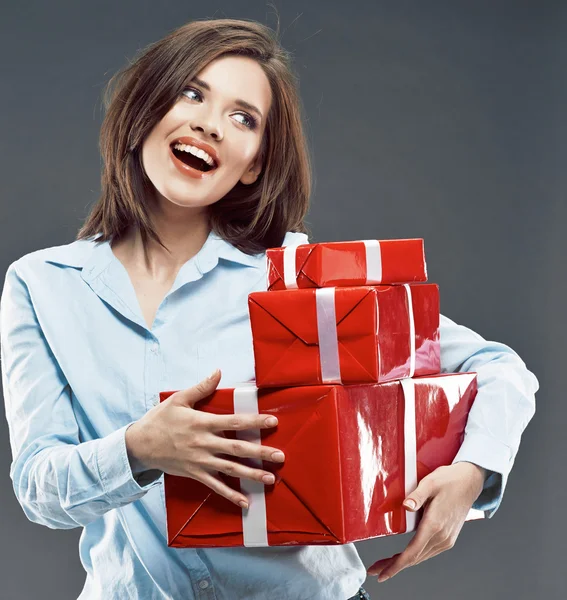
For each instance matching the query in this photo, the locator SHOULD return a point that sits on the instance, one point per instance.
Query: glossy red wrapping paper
(344, 475)
(334, 264)
(373, 328)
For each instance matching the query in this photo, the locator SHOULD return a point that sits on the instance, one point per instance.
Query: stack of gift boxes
(347, 356)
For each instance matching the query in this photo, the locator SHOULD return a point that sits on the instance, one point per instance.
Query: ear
(252, 173)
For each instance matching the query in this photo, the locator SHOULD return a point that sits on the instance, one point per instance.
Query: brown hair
(251, 217)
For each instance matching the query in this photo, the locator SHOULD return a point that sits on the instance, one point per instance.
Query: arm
(59, 482)
(503, 407)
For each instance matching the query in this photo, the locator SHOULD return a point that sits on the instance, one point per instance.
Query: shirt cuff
(494, 456)
(116, 475)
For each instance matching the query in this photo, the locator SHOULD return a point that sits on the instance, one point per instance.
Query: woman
(205, 166)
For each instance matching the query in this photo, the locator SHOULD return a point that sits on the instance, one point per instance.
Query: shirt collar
(95, 256)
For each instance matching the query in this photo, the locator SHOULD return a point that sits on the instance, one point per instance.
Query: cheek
(243, 154)
(153, 150)
(148, 160)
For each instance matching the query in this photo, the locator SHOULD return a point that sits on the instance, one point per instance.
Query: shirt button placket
(153, 373)
(206, 590)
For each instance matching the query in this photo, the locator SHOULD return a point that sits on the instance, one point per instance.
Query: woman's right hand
(177, 439)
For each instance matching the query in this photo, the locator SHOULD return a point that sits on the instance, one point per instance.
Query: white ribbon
(254, 523)
(411, 331)
(327, 334)
(410, 446)
(373, 262)
(289, 272)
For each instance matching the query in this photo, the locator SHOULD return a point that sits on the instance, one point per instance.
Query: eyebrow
(238, 101)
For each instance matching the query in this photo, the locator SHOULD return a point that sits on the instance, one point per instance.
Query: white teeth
(196, 152)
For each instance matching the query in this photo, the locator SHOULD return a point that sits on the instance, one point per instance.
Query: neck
(183, 237)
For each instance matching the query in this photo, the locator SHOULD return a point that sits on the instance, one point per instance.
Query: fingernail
(271, 421)
(410, 504)
(213, 375)
(268, 479)
(381, 578)
(243, 504)
(278, 456)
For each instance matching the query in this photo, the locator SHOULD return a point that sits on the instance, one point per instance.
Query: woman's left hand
(447, 495)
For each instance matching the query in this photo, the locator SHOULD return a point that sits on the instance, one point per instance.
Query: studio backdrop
(440, 120)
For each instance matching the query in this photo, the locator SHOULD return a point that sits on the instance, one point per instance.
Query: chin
(184, 200)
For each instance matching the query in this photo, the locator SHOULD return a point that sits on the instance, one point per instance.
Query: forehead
(238, 77)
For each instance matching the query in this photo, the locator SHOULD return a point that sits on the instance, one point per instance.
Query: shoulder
(73, 254)
(293, 238)
(39, 264)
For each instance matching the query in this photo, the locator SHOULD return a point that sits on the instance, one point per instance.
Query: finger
(381, 564)
(423, 540)
(242, 421)
(246, 449)
(430, 551)
(421, 494)
(234, 469)
(408, 558)
(204, 388)
(222, 489)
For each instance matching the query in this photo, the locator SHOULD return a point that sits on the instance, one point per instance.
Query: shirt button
(204, 584)
(155, 348)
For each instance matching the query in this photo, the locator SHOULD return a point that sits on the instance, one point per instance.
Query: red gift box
(332, 264)
(345, 335)
(353, 453)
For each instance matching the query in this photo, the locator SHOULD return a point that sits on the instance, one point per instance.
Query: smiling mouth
(191, 160)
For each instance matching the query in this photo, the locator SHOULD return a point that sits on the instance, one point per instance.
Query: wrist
(476, 474)
(480, 470)
(136, 448)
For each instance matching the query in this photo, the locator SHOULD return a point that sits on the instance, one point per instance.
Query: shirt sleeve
(59, 482)
(503, 407)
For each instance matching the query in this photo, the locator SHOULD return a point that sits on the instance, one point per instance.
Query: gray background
(442, 120)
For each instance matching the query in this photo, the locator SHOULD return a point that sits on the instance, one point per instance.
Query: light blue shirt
(79, 365)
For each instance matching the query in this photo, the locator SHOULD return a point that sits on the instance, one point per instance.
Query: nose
(207, 126)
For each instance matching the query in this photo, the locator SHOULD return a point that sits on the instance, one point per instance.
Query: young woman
(205, 166)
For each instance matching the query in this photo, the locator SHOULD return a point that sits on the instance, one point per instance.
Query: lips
(188, 170)
(191, 141)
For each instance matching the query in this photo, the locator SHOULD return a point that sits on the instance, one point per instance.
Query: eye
(190, 90)
(250, 121)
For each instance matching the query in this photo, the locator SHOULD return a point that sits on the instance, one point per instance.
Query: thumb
(419, 496)
(205, 387)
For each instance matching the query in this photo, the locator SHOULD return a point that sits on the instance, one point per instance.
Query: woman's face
(215, 111)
